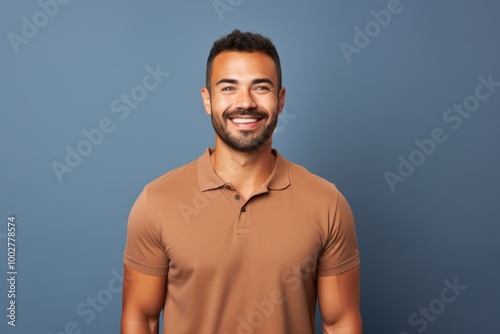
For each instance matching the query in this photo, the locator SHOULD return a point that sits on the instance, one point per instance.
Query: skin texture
(338, 298)
(143, 299)
(243, 85)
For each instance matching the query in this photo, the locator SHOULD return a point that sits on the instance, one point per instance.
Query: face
(244, 101)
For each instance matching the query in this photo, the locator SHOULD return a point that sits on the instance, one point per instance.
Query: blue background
(346, 121)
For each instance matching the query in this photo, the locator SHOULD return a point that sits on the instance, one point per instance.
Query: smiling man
(241, 240)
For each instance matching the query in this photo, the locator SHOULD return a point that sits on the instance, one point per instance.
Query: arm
(338, 298)
(143, 299)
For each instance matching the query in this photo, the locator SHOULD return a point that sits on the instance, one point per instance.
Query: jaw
(244, 133)
(251, 153)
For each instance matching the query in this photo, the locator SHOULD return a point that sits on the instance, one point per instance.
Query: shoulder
(174, 180)
(303, 180)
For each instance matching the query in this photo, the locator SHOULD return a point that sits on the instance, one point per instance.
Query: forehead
(241, 65)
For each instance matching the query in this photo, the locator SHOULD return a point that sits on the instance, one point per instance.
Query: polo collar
(208, 178)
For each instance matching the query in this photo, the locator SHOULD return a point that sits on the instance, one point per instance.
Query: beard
(244, 140)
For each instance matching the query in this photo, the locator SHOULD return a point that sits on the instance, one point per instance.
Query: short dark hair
(245, 42)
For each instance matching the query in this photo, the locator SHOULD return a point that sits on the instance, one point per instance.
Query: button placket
(243, 224)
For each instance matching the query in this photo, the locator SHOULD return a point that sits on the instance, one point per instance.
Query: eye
(227, 89)
(262, 88)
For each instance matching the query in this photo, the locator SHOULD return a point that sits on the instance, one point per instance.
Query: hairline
(210, 65)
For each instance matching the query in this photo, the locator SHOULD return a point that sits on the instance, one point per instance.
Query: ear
(281, 99)
(205, 95)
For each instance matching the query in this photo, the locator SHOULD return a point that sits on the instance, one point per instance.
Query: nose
(245, 100)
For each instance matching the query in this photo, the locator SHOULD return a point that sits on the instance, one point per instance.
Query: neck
(246, 171)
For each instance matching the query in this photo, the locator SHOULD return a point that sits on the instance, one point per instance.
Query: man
(241, 240)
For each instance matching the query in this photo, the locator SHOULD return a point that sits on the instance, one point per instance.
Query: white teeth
(245, 120)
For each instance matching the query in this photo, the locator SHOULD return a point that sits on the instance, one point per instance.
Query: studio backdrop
(397, 102)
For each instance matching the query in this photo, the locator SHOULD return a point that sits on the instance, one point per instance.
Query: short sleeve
(340, 251)
(144, 250)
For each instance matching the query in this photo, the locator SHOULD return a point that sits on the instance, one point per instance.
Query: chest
(222, 240)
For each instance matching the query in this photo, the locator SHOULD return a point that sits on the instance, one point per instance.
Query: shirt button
(243, 209)
(237, 196)
(228, 187)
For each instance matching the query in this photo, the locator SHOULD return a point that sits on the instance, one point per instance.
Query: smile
(244, 120)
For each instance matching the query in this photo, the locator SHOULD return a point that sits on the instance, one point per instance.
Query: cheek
(268, 99)
(221, 103)
(270, 104)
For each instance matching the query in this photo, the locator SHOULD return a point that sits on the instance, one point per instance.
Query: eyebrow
(254, 81)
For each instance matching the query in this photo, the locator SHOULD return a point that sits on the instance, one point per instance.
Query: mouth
(246, 122)
(239, 120)
(246, 119)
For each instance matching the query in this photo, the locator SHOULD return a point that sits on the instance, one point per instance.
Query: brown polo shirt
(236, 266)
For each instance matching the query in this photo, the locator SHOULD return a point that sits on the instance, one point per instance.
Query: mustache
(245, 112)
